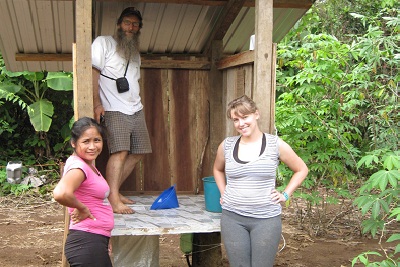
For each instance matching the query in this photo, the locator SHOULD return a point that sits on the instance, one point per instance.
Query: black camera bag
(122, 83)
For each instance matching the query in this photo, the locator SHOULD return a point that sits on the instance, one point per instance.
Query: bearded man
(116, 101)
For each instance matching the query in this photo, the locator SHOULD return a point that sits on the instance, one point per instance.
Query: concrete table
(135, 237)
(190, 217)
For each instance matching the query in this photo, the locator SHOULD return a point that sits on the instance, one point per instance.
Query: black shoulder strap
(126, 69)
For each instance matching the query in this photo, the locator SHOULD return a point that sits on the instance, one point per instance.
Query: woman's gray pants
(250, 242)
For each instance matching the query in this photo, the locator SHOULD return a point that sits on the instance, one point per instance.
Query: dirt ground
(31, 233)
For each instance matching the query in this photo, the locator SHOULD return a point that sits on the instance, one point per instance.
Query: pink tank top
(93, 193)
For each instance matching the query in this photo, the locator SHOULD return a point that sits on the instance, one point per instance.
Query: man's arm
(98, 109)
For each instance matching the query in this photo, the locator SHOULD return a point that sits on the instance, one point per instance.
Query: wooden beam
(43, 57)
(247, 3)
(302, 4)
(175, 64)
(83, 90)
(273, 91)
(229, 14)
(148, 61)
(243, 58)
(223, 23)
(216, 96)
(263, 62)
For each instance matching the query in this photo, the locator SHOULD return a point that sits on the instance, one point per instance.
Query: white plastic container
(14, 172)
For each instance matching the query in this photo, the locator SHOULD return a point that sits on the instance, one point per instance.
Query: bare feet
(121, 208)
(117, 205)
(126, 200)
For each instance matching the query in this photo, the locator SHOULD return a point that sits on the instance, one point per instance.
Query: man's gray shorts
(127, 132)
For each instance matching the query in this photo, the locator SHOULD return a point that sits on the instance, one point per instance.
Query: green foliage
(379, 197)
(337, 105)
(316, 114)
(33, 89)
(49, 171)
(26, 101)
(334, 17)
(7, 188)
(364, 259)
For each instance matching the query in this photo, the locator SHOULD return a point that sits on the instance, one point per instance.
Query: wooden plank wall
(177, 109)
(176, 106)
(237, 81)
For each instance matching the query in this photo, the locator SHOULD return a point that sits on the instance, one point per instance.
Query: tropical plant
(29, 93)
(316, 114)
(379, 201)
(337, 100)
(34, 98)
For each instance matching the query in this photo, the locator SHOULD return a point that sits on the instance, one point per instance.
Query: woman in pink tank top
(84, 191)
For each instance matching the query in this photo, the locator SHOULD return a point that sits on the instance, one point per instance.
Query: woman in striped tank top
(245, 173)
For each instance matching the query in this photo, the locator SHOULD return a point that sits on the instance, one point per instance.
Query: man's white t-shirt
(110, 63)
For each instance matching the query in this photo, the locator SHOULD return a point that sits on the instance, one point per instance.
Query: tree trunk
(207, 250)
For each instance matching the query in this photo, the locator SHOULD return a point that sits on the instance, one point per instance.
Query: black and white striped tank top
(249, 184)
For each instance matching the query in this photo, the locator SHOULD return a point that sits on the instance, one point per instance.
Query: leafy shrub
(7, 188)
(379, 201)
(337, 100)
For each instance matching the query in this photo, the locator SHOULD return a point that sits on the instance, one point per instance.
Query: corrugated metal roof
(48, 26)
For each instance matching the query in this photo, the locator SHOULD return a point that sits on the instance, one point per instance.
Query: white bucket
(14, 172)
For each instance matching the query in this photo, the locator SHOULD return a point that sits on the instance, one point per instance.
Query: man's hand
(98, 112)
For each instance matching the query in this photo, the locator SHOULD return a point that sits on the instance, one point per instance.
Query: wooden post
(64, 262)
(263, 63)
(273, 91)
(208, 249)
(82, 60)
(82, 72)
(216, 97)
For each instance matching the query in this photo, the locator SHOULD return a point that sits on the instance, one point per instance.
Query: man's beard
(127, 46)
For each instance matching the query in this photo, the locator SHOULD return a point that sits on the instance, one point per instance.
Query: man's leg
(130, 164)
(114, 176)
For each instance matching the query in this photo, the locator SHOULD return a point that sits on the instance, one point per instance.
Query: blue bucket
(211, 195)
(167, 200)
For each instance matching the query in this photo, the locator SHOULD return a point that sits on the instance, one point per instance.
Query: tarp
(128, 251)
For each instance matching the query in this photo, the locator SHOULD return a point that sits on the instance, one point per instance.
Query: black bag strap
(126, 69)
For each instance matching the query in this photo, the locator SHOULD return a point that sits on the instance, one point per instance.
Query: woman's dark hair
(81, 125)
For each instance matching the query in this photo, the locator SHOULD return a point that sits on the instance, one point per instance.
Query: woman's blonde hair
(243, 105)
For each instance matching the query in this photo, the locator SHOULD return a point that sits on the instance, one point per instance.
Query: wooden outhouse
(197, 55)
(195, 59)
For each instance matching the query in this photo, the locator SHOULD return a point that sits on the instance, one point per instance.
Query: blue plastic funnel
(167, 200)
